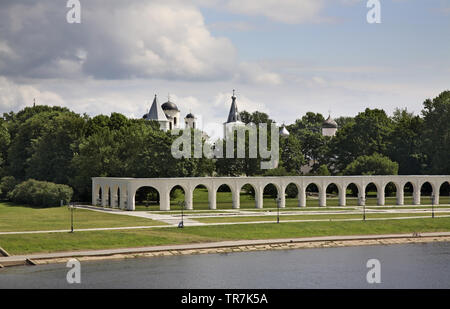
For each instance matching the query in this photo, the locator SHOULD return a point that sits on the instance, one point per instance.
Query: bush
(375, 164)
(7, 185)
(41, 193)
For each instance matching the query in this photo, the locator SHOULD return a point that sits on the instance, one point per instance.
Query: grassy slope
(49, 242)
(24, 218)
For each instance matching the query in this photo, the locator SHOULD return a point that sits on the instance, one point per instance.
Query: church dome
(329, 123)
(169, 106)
(190, 116)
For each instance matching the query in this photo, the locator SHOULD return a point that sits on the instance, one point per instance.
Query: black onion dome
(329, 123)
(190, 116)
(169, 106)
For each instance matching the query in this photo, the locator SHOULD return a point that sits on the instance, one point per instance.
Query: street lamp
(363, 201)
(71, 208)
(278, 200)
(432, 205)
(181, 204)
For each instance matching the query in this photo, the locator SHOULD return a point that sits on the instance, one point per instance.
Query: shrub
(41, 193)
(7, 185)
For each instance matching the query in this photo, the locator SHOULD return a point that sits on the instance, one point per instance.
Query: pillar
(123, 198)
(259, 198)
(114, 200)
(362, 196)
(188, 199)
(380, 197)
(416, 195)
(164, 199)
(302, 197)
(131, 192)
(212, 199)
(400, 196)
(342, 197)
(235, 197)
(436, 194)
(282, 196)
(322, 197)
(105, 196)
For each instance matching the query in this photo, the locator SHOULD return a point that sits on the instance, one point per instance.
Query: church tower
(157, 114)
(234, 118)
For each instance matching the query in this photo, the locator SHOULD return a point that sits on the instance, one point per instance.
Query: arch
(444, 193)
(333, 195)
(271, 192)
(117, 197)
(292, 193)
(392, 192)
(178, 194)
(352, 193)
(370, 198)
(98, 195)
(226, 197)
(147, 197)
(249, 196)
(426, 192)
(313, 192)
(202, 197)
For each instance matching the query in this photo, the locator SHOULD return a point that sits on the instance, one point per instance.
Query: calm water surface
(402, 266)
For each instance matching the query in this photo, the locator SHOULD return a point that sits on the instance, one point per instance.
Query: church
(168, 117)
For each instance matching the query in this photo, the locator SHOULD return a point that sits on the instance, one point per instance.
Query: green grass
(224, 201)
(309, 217)
(25, 218)
(52, 242)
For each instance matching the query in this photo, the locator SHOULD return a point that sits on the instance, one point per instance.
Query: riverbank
(227, 247)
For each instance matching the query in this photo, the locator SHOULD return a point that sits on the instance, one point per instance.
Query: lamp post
(278, 200)
(181, 224)
(71, 208)
(432, 205)
(363, 201)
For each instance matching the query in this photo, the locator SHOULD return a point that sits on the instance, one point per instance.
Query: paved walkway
(223, 244)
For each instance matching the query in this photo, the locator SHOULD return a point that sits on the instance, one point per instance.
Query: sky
(283, 57)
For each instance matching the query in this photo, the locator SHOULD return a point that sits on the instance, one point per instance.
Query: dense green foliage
(41, 193)
(57, 145)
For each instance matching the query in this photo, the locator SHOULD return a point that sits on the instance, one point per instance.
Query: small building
(234, 118)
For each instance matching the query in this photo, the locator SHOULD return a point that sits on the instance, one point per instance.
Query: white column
(416, 195)
(123, 198)
(322, 197)
(235, 197)
(362, 196)
(381, 197)
(188, 199)
(212, 198)
(400, 196)
(342, 197)
(436, 194)
(259, 198)
(302, 197)
(131, 192)
(104, 197)
(114, 200)
(164, 199)
(282, 196)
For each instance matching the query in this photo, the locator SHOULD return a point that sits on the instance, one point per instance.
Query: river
(424, 265)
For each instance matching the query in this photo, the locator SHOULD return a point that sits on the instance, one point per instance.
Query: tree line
(54, 144)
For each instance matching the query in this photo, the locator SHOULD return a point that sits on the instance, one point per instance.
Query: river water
(401, 266)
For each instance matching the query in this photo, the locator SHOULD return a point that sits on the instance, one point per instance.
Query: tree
(375, 164)
(4, 144)
(405, 142)
(292, 158)
(436, 134)
(367, 134)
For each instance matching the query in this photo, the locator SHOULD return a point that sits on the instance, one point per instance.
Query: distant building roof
(233, 115)
(170, 106)
(329, 123)
(156, 112)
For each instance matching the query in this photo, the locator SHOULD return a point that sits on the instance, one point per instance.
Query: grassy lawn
(25, 218)
(309, 217)
(224, 201)
(51, 242)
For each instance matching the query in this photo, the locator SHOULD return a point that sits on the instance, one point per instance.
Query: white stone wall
(122, 191)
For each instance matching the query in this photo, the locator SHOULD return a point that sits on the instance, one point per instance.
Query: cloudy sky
(283, 57)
